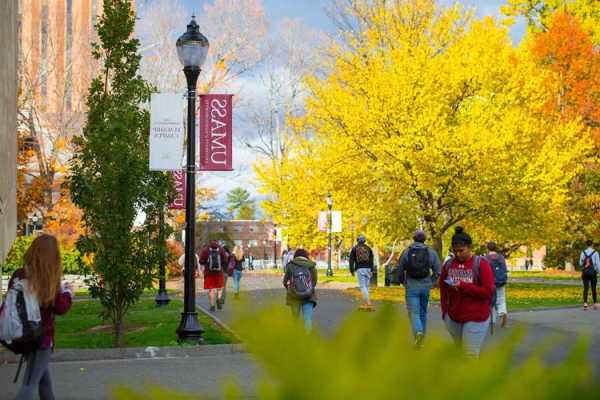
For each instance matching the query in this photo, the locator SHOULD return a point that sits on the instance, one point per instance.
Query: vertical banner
(216, 138)
(166, 132)
(336, 221)
(179, 182)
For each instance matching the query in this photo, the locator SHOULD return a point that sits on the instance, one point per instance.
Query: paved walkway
(206, 374)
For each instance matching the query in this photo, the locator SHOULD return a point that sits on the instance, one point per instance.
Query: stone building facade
(8, 125)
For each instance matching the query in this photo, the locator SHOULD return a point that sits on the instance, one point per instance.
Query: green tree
(247, 211)
(109, 178)
(237, 198)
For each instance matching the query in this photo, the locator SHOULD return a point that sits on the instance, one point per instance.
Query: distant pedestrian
(300, 280)
(498, 264)
(466, 291)
(288, 257)
(227, 272)
(362, 263)
(250, 262)
(419, 266)
(238, 267)
(39, 282)
(181, 263)
(589, 261)
(214, 259)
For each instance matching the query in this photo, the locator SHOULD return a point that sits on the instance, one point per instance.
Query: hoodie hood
(304, 262)
(214, 244)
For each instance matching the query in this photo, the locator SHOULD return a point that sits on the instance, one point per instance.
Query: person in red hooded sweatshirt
(214, 260)
(466, 293)
(42, 272)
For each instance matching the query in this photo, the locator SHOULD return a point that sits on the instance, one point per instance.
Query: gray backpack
(301, 285)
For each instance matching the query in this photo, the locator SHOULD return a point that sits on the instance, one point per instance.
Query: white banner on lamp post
(166, 132)
(336, 221)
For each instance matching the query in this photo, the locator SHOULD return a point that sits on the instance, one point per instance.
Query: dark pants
(37, 376)
(586, 286)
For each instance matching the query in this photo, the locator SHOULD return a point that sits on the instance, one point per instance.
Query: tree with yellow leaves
(426, 117)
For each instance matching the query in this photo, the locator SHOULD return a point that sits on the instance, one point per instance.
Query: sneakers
(219, 304)
(236, 296)
(419, 338)
(366, 307)
(596, 306)
(212, 308)
(585, 306)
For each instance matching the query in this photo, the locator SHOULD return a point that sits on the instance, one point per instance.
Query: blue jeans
(237, 275)
(307, 313)
(39, 377)
(364, 276)
(468, 334)
(417, 300)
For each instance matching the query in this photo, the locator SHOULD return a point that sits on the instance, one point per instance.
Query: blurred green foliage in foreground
(371, 357)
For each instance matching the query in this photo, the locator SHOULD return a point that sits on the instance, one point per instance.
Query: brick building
(254, 236)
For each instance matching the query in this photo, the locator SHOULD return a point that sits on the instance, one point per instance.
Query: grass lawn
(147, 292)
(518, 295)
(548, 274)
(145, 325)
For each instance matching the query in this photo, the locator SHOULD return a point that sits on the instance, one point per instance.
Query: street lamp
(264, 253)
(329, 220)
(192, 49)
(162, 298)
(275, 246)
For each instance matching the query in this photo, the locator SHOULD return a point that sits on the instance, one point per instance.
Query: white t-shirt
(181, 261)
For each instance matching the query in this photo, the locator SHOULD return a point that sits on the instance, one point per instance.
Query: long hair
(43, 268)
(238, 253)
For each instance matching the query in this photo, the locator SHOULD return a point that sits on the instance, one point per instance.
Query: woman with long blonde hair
(238, 255)
(42, 270)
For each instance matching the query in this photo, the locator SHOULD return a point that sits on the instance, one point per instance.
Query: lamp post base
(329, 273)
(162, 298)
(189, 330)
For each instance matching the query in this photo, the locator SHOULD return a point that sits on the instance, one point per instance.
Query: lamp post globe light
(329, 223)
(192, 49)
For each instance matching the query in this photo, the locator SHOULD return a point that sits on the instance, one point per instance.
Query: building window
(44, 54)
(238, 228)
(238, 243)
(253, 243)
(69, 72)
(253, 228)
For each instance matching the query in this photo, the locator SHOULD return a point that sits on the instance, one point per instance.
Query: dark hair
(301, 253)
(589, 242)
(461, 238)
(491, 246)
(420, 236)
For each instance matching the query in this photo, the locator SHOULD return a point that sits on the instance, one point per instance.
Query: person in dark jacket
(419, 266)
(362, 264)
(42, 271)
(301, 263)
(466, 292)
(499, 309)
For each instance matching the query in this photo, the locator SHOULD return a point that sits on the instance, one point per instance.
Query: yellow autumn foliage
(429, 123)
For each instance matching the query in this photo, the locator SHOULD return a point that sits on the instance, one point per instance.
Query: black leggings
(586, 285)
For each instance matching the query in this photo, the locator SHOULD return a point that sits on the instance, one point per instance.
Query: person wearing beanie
(466, 293)
(361, 263)
(419, 267)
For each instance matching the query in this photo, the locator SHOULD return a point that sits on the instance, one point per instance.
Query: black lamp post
(329, 220)
(275, 246)
(192, 49)
(264, 253)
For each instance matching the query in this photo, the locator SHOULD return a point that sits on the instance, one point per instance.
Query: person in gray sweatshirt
(419, 265)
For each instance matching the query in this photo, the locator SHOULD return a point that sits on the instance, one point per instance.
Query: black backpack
(362, 254)
(301, 285)
(33, 332)
(418, 266)
(587, 265)
(214, 260)
(499, 269)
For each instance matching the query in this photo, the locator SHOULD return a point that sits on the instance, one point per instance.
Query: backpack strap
(476, 268)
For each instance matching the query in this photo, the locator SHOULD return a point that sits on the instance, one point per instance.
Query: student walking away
(250, 262)
(36, 296)
(361, 263)
(498, 264)
(214, 260)
(419, 265)
(181, 263)
(238, 266)
(300, 280)
(227, 272)
(289, 256)
(589, 261)
(466, 291)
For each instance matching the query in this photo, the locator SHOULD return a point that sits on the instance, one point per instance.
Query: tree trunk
(118, 329)
(438, 246)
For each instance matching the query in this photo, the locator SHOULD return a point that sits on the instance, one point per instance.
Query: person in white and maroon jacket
(42, 271)
(466, 293)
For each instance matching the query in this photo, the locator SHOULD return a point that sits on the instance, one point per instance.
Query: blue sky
(312, 12)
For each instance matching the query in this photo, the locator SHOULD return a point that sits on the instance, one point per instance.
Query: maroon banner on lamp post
(216, 137)
(179, 183)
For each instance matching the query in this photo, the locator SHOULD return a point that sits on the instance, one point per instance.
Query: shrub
(371, 357)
